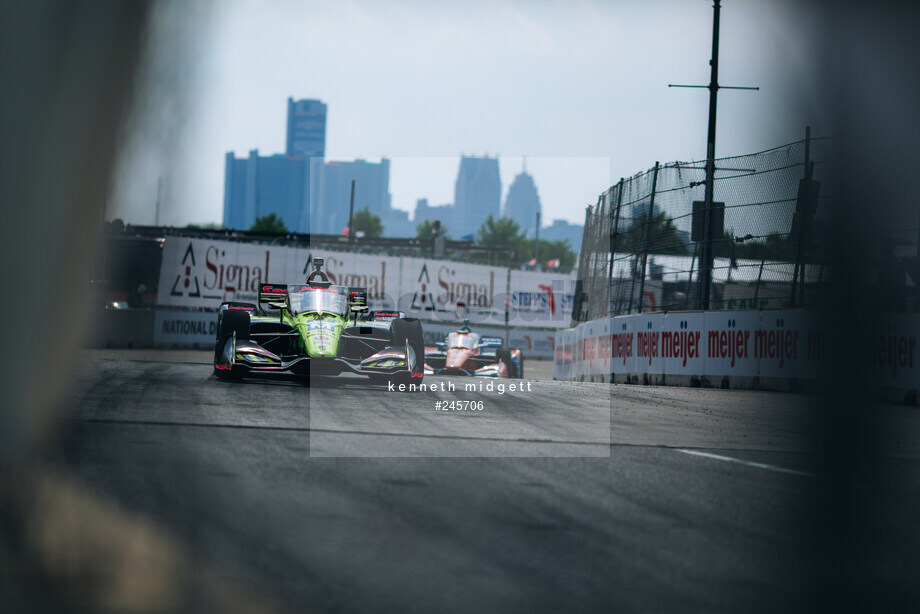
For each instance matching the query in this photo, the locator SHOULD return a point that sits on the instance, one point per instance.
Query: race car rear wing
(237, 306)
(385, 316)
(485, 342)
(273, 295)
(357, 299)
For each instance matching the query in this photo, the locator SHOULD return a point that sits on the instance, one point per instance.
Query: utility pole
(156, 213)
(707, 258)
(706, 255)
(351, 213)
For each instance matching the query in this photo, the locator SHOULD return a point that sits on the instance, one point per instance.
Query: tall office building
(561, 229)
(306, 128)
(477, 194)
(429, 213)
(372, 191)
(523, 203)
(284, 184)
(259, 185)
(396, 224)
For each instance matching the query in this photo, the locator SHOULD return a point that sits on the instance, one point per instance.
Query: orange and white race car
(464, 352)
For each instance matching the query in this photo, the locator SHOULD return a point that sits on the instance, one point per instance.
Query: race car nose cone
(321, 338)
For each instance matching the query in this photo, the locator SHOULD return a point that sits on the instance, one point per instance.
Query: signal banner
(205, 273)
(379, 274)
(433, 289)
(202, 273)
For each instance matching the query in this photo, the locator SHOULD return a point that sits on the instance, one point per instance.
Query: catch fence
(642, 249)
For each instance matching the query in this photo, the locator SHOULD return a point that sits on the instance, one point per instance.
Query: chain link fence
(641, 252)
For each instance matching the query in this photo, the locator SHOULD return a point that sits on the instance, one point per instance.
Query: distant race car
(317, 328)
(464, 352)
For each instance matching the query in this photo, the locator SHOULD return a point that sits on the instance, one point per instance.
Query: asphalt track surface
(341, 496)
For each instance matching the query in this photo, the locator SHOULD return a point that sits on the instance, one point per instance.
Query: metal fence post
(613, 249)
(690, 277)
(648, 232)
(800, 239)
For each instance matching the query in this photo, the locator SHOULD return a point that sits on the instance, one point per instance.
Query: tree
(426, 230)
(661, 238)
(551, 250)
(503, 232)
(270, 223)
(368, 223)
(208, 226)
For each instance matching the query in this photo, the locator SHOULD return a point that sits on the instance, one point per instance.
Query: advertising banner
(379, 274)
(184, 327)
(562, 360)
(648, 343)
(786, 344)
(202, 273)
(622, 345)
(893, 351)
(587, 343)
(771, 344)
(603, 361)
(205, 273)
(432, 289)
(730, 343)
(541, 299)
(682, 337)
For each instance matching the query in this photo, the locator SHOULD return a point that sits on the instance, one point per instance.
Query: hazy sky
(580, 88)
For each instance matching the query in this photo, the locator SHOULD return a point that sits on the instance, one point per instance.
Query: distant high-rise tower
(372, 191)
(523, 203)
(477, 194)
(284, 184)
(259, 185)
(306, 128)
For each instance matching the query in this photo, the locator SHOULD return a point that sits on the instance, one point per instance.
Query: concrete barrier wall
(121, 328)
(776, 350)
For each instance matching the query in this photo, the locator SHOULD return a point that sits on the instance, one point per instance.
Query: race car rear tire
(504, 356)
(521, 367)
(401, 331)
(230, 322)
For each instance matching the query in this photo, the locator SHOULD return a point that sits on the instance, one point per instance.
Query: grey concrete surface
(573, 497)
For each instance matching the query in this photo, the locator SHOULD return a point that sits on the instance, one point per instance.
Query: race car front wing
(250, 356)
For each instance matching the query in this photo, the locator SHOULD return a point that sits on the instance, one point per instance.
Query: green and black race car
(317, 328)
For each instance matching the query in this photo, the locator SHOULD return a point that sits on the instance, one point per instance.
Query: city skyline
(309, 192)
(423, 85)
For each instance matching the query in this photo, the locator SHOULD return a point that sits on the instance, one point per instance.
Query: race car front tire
(231, 322)
(409, 330)
(504, 356)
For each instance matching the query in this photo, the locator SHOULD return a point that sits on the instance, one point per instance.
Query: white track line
(748, 463)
